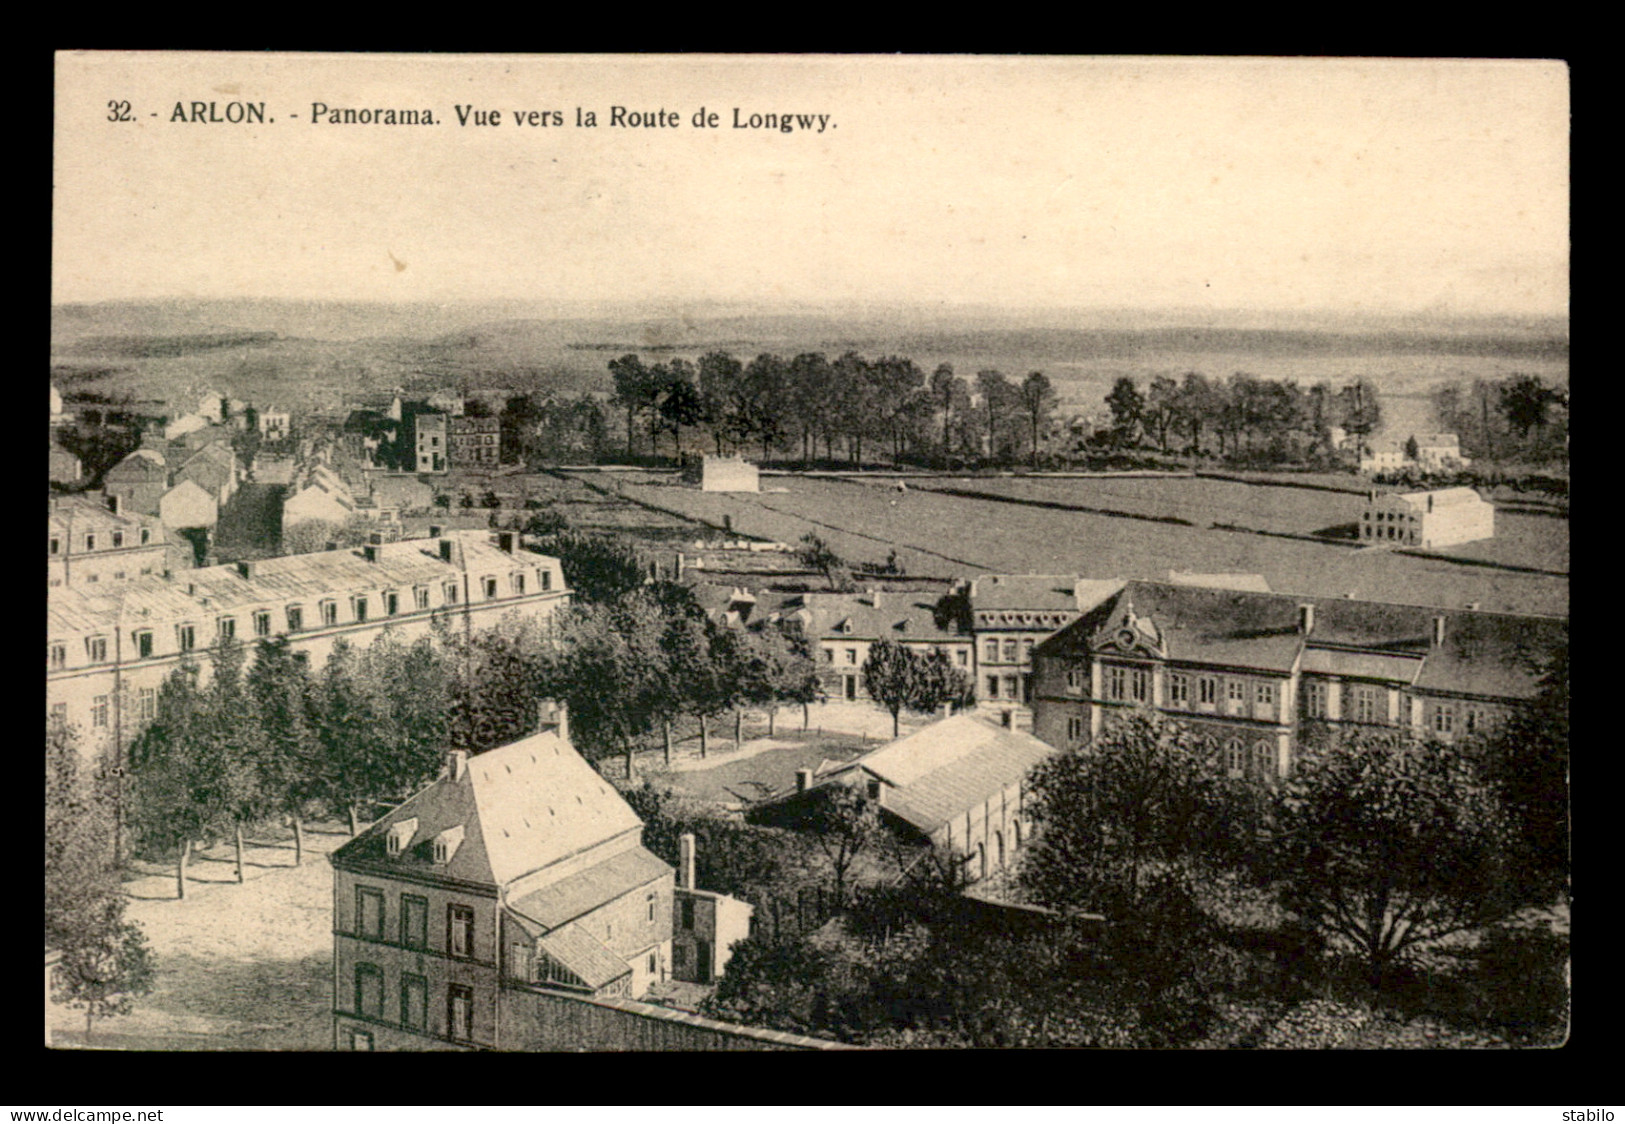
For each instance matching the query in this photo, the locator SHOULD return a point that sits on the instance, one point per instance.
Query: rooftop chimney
(803, 779)
(371, 550)
(947, 710)
(246, 568)
(456, 764)
(1306, 618)
(376, 538)
(1007, 719)
(331, 545)
(553, 717)
(685, 860)
(1438, 632)
(445, 550)
(435, 530)
(1430, 501)
(677, 568)
(1472, 606)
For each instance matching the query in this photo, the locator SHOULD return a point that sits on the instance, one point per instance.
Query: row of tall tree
(1516, 418)
(803, 403)
(1242, 414)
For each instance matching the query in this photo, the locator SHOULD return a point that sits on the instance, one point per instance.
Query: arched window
(981, 858)
(998, 840)
(1234, 759)
(1018, 833)
(1264, 759)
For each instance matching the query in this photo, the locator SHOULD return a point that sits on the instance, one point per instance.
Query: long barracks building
(110, 646)
(1251, 668)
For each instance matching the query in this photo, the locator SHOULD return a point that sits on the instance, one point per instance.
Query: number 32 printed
(118, 111)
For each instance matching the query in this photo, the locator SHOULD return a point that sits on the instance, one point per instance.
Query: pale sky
(1118, 182)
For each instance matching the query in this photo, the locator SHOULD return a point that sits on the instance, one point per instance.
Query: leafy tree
(1390, 843)
(230, 776)
(1162, 408)
(1525, 401)
(105, 962)
(352, 728)
(1527, 760)
(1038, 402)
(816, 554)
(637, 388)
(898, 677)
(811, 379)
(948, 392)
(846, 824)
(598, 568)
(1128, 408)
(1198, 407)
(680, 400)
(1144, 803)
(1412, 450)
(283, 706)
(1361, 407)
(998, 406)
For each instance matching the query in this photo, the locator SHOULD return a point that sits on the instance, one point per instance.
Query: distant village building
(844, 626)
(1438, 451)
(64, 466)
(430, 442)
(92, 542)
(274, 423)
(475, 442)
(213, 407)
(188, 505)
(317, 493)
(139, 481)
(1434, 452)
(1249, 669)
(111, 645)
(728, 474)
(1427, 520)
(181, 426)
(957, 784)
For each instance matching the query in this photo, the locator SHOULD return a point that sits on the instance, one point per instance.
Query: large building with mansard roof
(1250, 669)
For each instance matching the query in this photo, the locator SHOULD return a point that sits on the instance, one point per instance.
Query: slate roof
(522, 807)
(949, 767)
(1025, 591)
(582, 953)
(568, 898)
(902, 616)
(1490, 654)
(140, 467)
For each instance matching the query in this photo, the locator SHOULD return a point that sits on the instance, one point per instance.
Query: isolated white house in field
(729, 474)
(1439, 450)
(1426, 519)
(1382, 455)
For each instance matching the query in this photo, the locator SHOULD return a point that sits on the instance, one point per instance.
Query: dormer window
(400, 836)
(446, 844)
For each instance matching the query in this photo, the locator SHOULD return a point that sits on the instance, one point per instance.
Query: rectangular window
(650, 902)
(98, 711)
(358, 606)
(1074, 679)
(460, 1012)
(96, 648)
(185, 637)
(1265, 694)
(1316, 700)
(414, 1002)
(547, 580)
(118, 539)
(451, 593)
(851, 655)
(1140, 684)
(518, 585)
(992, 686)
(90, 542)
(143, 644)
(392, 603)
(147, 703)
(1444, 718)
(369, 913)
(369, 991)
(1235, 690)
(460, 931)
(56, 546)
(330, 613)
(1027, 651)
(59, 656)
(296, 618)
(490, 589)
(228, 628)
(414, 921)
(262, 623)
(991, 652)
(829, 655)
(962, 657)
(1012, 687)
(1074, 729)
(1009, 651)
(1117, 683)
(1365, 704)
(1179, 691)
(420, 597)
(688, 913)
(146, 536)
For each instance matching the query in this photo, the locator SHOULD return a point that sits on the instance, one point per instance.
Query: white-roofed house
(1426, 520)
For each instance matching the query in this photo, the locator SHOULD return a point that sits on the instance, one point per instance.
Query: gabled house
(843, 626)
(139, 481)
(518, 870)
(1011, 614)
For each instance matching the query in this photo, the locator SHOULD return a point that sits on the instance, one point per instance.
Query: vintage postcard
(601, 553)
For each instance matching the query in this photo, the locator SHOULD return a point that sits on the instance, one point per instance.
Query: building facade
(430, 442)
(1013, 613)
(520, 870)
(475, 442)
(1251, 669)
(91, 542)
(844, 626)
(110, 647)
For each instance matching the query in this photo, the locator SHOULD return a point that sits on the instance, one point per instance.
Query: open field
(951, 535)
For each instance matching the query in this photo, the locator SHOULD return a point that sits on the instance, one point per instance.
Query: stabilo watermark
(1589, 1115)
